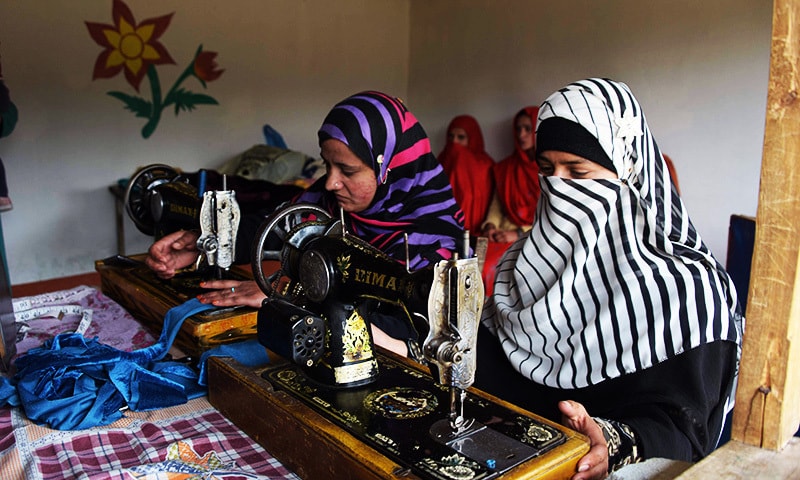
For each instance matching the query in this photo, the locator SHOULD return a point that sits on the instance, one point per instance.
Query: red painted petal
(101, 70)
(120, 10)
(160, 24)
(205, 66)
(163, 55)
(96, 32)
(215, 75)
(136, 78)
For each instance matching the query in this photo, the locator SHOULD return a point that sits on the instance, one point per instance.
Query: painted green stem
(155, 112)
(169, 99)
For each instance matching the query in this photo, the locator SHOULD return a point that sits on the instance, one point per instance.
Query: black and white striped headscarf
(613, 278)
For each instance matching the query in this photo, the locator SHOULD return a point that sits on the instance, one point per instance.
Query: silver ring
(233, 289)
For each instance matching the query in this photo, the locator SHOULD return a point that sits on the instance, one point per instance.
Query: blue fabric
(249, 353)
(73, 383)
(273, 138)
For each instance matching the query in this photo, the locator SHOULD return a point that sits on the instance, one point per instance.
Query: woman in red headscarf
(513, 206)
(516, 185)
(469, 167)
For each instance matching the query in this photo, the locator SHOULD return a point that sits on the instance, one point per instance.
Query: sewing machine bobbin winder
(331, 404)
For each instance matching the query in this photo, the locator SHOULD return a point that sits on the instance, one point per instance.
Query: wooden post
(767, 412)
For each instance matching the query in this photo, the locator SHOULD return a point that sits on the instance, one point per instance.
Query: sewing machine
(421, 418)
(160, 200)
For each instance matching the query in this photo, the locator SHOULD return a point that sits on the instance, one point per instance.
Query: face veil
(613, 277)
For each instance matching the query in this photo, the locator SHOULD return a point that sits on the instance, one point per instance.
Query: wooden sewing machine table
(131, 284)
(311, 431)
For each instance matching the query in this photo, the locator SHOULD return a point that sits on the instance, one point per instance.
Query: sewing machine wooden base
(148, 298)
(328, 433)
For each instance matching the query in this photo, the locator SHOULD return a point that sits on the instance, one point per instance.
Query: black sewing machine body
(322, 323)
(161, 199)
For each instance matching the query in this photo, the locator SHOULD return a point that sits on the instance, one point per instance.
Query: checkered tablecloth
(187, 441)
(167, 443)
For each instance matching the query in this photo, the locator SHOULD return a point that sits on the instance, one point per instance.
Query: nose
(561, 171)
(332, 183)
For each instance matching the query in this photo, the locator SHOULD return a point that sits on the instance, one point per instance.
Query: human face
(554, 163)
(458, 136)
(349, 178)
(523, 130)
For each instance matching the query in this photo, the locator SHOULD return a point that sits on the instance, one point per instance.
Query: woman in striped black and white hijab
(612, 305)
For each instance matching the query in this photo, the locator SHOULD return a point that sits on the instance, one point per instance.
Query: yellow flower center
(131, 46)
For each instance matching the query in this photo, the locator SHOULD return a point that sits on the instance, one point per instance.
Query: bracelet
(623, 448)
(414, 351)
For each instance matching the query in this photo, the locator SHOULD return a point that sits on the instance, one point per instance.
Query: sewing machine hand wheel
(278, 226)
(137, 194)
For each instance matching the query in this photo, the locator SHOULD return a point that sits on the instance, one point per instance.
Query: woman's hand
(593, 465)
(505, 236)
(489, 230)
(172, 252)
(232, 293)
(382, 339)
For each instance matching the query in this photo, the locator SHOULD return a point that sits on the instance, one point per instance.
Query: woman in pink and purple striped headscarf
(381, 172)
(383, 175)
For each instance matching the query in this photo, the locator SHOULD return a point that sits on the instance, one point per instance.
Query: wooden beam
(737, 461)
(767, 412)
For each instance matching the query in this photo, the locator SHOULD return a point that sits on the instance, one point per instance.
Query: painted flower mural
(135, 49)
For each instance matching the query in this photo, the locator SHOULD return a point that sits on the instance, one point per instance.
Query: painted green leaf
(139, 106)
(186, 100)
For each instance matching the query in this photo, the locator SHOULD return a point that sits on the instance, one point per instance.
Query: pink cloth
(41, 317)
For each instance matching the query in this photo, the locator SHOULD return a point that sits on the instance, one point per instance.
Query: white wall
(286, 63)
(699, 69)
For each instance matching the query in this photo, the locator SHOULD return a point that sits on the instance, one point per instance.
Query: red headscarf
(469, 169)
(517, 179)
(673, 174)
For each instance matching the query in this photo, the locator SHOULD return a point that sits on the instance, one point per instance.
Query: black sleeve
(681, 404)
(676, 409)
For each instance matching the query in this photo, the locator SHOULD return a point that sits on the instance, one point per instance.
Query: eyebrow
(576, 161)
